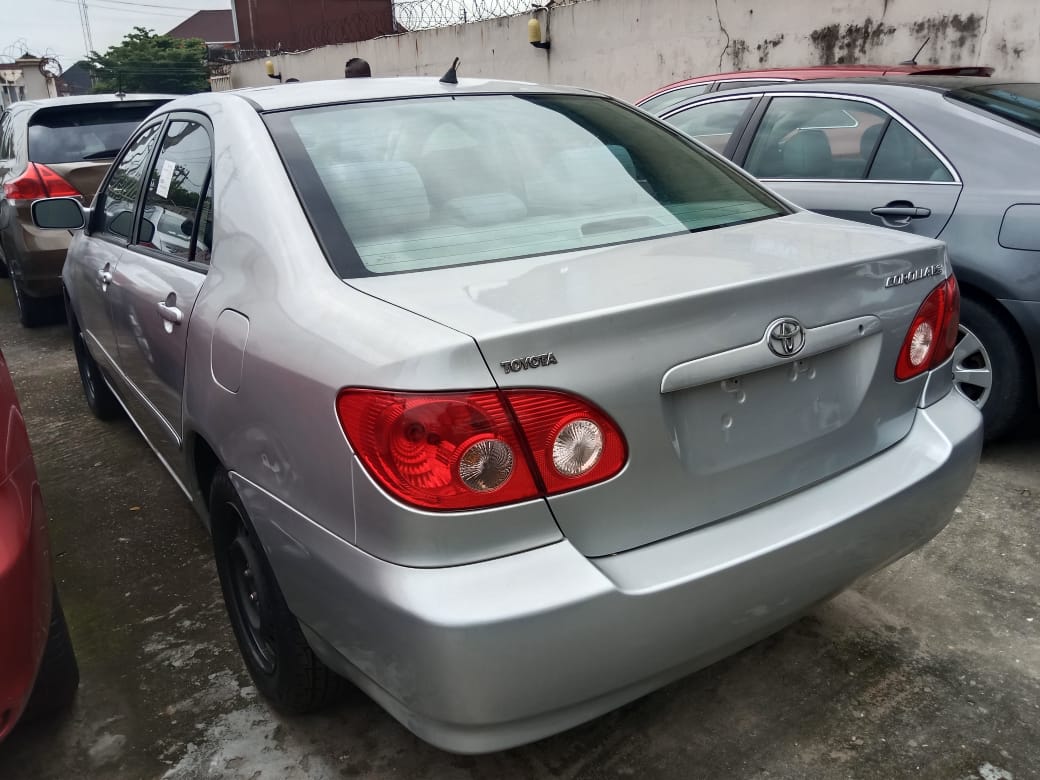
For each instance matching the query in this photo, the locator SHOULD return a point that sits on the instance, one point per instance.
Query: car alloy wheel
(972, 368)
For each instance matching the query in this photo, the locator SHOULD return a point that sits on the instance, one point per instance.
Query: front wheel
(990, 367)
(58, 678)
(276, 653)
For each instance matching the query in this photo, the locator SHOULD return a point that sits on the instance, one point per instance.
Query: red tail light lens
(573, 443)
(933, 332)
(37, 182)
(455, 451)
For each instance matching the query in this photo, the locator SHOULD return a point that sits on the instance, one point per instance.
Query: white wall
(630, 47)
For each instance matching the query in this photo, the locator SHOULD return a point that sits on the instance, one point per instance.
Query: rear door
(159, 277)
(89, 277)
(852, 158)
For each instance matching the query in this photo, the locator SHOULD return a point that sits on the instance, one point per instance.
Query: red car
(673, 94)
(38, 671)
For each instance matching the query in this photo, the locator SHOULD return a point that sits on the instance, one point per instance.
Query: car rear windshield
(94, 131)
(1018, 103)
(422, 183)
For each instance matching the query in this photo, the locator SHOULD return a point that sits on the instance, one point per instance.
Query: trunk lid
(670, 338)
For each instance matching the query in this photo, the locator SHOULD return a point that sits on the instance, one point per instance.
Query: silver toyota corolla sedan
(508, 404)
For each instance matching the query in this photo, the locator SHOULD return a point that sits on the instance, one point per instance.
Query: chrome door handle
(903, 212)
(105, 277)
(170, 313)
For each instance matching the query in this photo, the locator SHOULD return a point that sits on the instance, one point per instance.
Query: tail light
(933, 332)
(37, 182)
(455, 451)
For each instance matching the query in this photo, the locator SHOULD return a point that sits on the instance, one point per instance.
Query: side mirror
(58, 213)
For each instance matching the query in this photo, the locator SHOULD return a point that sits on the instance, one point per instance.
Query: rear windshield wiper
(101, 155)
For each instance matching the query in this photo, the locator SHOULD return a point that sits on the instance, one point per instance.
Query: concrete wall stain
(955, 30)
(738, 49)
(836, 45)
(767, 46)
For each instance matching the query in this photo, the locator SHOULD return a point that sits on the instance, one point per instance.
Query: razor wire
(425, 14)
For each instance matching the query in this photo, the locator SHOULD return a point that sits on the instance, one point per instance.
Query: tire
(32, 312)
(282, 664)
(58, 678)
(100, 398)
(991, 368)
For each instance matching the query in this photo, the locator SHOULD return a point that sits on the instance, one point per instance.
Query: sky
(52, 27)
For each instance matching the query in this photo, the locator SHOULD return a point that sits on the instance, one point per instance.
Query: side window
(711, 123)
(902, 157)
(6, 147)
(204, 236)
(815, 138)
(176, 190)
(116, 204)
(656, 105)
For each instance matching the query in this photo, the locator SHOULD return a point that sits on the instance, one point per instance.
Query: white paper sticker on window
(165, 179)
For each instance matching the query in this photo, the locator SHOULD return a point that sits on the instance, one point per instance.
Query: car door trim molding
(895, 115)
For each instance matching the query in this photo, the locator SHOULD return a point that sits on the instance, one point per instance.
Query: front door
(158, 279)
(853, 159)
(105, 243)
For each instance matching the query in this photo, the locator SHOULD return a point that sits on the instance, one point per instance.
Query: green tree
(146, 62)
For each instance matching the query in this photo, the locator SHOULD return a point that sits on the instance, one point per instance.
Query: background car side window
(711, 123)
(656, 105)
(902, 157)
(176, 190)
(116, 204)
(815, 138)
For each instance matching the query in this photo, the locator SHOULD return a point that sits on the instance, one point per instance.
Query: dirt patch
(843, 45)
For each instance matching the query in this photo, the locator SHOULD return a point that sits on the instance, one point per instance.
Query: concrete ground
(928, 669)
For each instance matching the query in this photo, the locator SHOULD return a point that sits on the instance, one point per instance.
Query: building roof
(210, 26)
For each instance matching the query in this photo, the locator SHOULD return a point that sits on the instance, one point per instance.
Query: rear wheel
(276, 653)
(100, 398)
(32, 312)
(990, 367)
(58, 678)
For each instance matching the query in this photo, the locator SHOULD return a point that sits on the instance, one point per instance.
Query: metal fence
(424, 14)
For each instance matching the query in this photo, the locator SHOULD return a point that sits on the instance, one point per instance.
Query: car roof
(310, 93)
(77, 100)
(827, 71)
(875, 85)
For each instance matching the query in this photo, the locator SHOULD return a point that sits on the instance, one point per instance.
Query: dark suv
(49, 148)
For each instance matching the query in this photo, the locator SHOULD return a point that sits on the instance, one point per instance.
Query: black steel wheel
(282, 664)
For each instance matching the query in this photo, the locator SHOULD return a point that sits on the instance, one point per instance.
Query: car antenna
(451, 77)
(913, 60)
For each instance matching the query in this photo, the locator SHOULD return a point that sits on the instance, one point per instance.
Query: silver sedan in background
(945, 157)
(507, 403)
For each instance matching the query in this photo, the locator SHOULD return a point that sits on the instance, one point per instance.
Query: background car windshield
(433, 182)
(84, 132)
(1019, 103)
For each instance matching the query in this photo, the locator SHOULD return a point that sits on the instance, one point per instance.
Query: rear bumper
(485, 656)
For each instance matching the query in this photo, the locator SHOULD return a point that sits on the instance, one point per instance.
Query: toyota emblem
(786, 337)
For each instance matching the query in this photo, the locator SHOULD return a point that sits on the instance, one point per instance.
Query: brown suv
(52, 148)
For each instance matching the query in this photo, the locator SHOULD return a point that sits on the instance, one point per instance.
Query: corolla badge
(786, 337)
